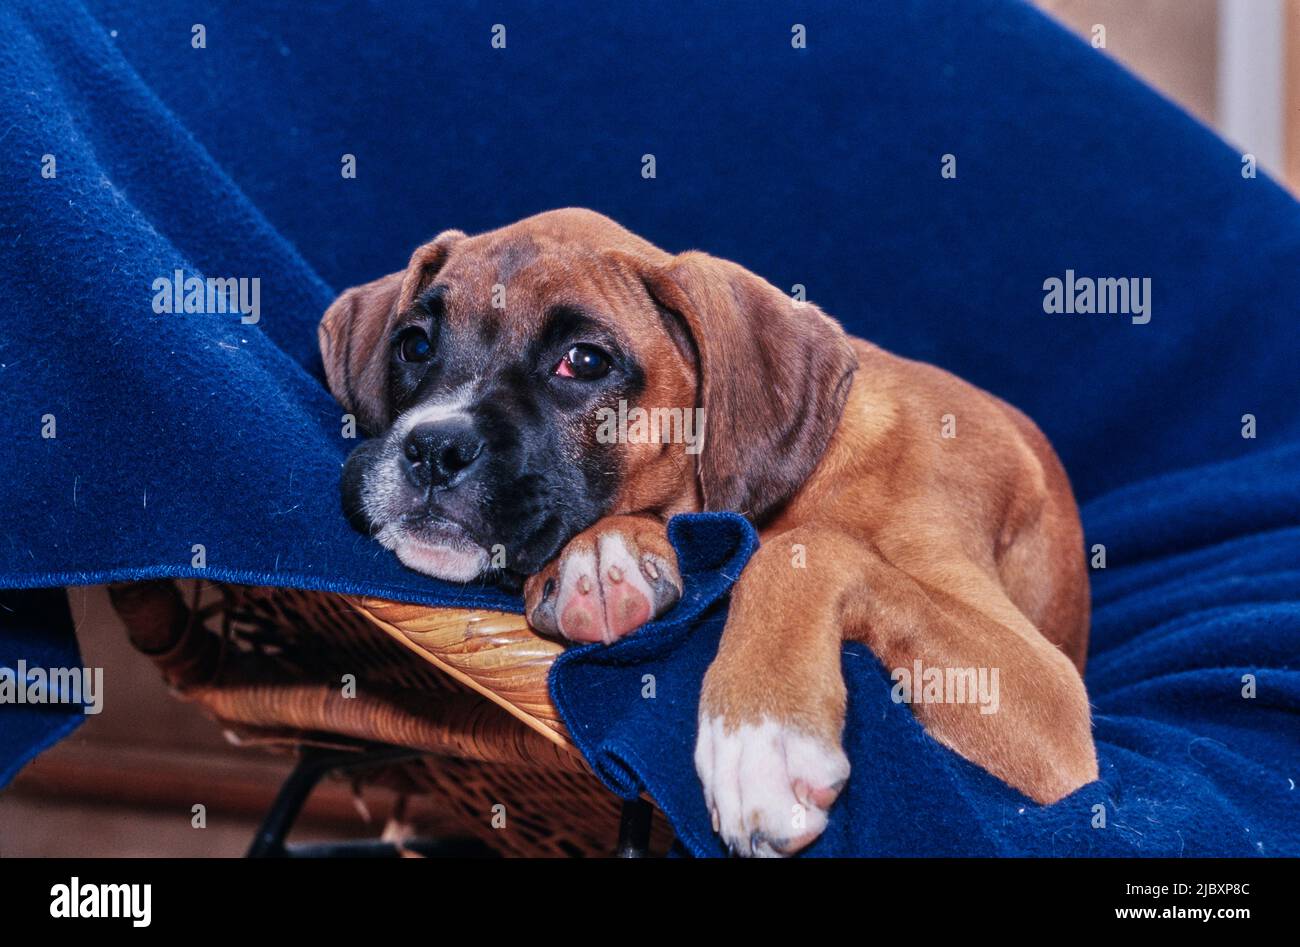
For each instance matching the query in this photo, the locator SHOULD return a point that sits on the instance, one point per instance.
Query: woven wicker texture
(285, 668)
(494, 653)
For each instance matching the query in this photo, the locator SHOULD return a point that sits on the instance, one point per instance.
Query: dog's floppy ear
(774, 376)
(354, 333)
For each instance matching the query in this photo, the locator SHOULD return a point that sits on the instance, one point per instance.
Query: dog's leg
(1035, 730)
(607, 582)
(772, 707)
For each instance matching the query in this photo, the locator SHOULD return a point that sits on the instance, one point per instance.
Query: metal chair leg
(634, 829)
(313, 765)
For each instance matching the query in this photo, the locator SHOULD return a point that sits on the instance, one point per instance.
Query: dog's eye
(413, 345)
(584, 362)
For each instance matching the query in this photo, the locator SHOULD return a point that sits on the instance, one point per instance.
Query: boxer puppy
(485, 371)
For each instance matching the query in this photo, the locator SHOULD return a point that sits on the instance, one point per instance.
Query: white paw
(768, 786)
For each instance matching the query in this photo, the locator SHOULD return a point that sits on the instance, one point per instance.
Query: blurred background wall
(1234, 64)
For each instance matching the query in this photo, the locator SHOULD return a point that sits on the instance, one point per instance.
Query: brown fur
(960, 552)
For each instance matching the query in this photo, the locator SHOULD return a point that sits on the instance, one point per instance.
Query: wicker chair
(445, 703)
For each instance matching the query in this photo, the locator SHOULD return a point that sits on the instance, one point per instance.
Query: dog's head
(501, 376)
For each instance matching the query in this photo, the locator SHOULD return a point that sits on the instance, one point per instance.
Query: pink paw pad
(626, 606)
(605, 590)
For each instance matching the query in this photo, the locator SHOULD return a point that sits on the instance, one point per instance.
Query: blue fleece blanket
(135, 144)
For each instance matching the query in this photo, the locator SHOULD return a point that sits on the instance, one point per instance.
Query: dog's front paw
(609, 581)
(768, 786)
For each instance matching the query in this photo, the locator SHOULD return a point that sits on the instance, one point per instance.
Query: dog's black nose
(440, 454)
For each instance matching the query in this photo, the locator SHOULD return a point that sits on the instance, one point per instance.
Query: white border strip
(1252, 41)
